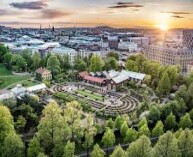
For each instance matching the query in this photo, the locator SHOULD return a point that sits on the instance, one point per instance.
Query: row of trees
(159, 77)
(26, 61)
(60, 131)
(59, 65)
(168, 145)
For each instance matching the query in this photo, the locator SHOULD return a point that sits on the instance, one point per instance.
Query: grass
(7, 81)
(4, 71)
(91, 95)
(27, 83)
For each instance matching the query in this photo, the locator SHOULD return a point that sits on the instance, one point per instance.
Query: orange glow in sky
(64, 13)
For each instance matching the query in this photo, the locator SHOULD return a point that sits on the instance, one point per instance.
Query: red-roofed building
(94, 80)
(81, 75)
(43, 74)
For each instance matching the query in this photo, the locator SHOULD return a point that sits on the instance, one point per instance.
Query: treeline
(66, 131)
(28, 61)
(159, 77)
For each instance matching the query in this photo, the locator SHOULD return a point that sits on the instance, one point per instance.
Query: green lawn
(91, 95)
(4, 71)
(27, 83)
(7, 80)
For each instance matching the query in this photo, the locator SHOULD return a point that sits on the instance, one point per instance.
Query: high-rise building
(188, 39)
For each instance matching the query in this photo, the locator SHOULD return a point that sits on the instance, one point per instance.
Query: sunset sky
(163, 14)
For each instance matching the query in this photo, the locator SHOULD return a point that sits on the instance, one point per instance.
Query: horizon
(164, 15)
(92, 27)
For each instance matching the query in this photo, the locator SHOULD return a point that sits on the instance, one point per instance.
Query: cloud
(8, 12)
(125, 5)
(52, 14)
(178, 17)
(33, 5)
(177, 12)
(18, 23)
(135, 10)
(3, 12)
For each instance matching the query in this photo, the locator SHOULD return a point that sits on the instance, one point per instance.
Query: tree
(142, 122)
(61, 60)
(178, 133)
(167, 146)
(190, 91)
(182, 93)
(3, 51)
(131, 135)
(108, 138)
(7, 60)
(89, 133)
(158, 129)
(189, 79)
(173, 73)
(164, 85)
(131, 65)
(140, 148)
(13, 145)
(53, 65)
(140, 61)
(124, 128)
(119, 121)
(154, 114)
(170, 122)
(66, 63)
(96, 63)
(20, 123)
(6, 124)
(82, 66)
(118, 152)
(27, 55)
(152, 68)
(185, 121)
(18, 63)
(34, 148)
(41, 154)
(69, 149)
(36, 60)
(111, 63)
(50, 127)
(110, 124)
(191, 114)
(97, 151)
(113, 54)
(148, 80)
(185, 143)
(144, 130)
(72, 114)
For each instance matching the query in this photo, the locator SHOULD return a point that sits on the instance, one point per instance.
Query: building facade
(170, 56)
(43, 74)
(188, 39)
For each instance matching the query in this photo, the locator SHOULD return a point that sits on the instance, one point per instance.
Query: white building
(85, 52)
(65, 51)
(128, 46)
(141, 41)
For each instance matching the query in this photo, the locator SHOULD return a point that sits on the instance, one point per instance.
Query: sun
(163, 27)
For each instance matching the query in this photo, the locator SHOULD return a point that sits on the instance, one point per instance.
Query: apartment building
(170, 56)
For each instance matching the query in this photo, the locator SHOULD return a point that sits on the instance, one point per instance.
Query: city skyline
(136, 13)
